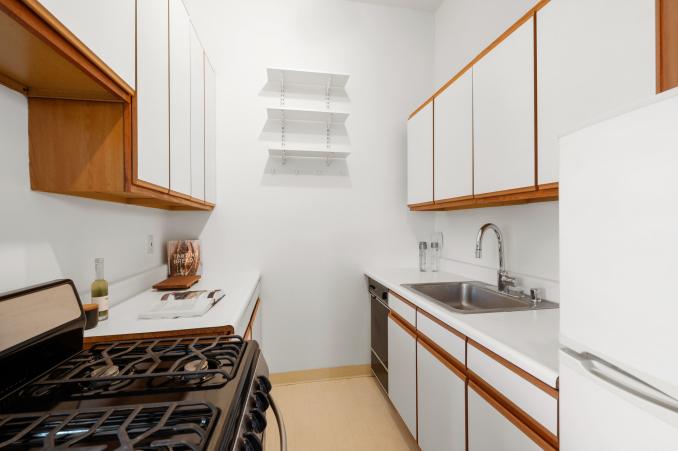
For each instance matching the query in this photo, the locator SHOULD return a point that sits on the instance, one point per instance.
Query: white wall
(463, 28)
(47, 236)
(312, 236)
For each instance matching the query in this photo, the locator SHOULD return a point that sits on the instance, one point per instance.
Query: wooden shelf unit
(81, 115)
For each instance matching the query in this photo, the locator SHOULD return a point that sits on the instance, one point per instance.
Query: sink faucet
(504, 280)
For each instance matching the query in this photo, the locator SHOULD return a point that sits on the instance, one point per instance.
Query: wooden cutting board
(177, 283)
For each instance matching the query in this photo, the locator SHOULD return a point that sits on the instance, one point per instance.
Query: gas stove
(185, 393)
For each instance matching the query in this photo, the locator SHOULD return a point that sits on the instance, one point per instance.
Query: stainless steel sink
(476, 297)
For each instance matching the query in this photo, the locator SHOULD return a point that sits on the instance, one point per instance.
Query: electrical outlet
(150, 246)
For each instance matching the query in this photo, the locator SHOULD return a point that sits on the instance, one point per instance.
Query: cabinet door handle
(619, 378)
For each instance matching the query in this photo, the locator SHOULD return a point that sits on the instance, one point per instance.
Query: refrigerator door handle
(629, 383)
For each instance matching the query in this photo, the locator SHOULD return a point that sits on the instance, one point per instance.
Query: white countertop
(240, 288)
(527, 339)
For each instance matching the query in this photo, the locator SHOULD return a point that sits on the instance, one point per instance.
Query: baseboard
(319, 374)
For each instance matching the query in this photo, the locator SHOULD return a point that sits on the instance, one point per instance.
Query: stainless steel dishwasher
(379, 331)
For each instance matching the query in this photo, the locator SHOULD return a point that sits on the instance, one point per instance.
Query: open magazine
(183, 304)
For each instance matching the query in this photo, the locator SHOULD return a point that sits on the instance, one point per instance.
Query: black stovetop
(158, 400)
(140, 367)
(188, 393)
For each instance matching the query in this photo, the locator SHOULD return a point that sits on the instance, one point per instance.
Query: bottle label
(102, 302)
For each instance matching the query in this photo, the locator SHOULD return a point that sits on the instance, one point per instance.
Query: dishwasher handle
(281, 424)
(619, 378)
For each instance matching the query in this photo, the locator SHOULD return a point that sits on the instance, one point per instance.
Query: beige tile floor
(334, 415)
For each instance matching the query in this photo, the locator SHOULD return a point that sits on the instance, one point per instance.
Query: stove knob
(256, 421)
(264, 384)
(261, 400)
(250, 442)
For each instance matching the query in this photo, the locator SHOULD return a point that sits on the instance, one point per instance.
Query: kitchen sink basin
(476, 297)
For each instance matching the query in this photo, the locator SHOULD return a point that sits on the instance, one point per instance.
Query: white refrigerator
(619, 282)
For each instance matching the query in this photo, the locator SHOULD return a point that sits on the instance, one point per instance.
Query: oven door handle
(281, 423)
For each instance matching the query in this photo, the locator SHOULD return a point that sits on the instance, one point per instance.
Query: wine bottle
(100, 289)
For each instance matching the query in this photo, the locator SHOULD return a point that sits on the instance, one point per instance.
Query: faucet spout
(500, 240)
(504, 280)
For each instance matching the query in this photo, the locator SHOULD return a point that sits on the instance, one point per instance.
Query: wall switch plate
(150, 246)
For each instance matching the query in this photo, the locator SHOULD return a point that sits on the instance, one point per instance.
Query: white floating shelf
(307, 153)
(296, 114)
(306, 78)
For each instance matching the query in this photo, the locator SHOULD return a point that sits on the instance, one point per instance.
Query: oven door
(379, 344)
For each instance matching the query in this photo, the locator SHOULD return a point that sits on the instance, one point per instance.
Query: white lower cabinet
(441, 395)
(490, 430)
(402, 373)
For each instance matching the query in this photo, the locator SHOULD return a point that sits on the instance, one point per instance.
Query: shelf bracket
(282, 89)
(283, 129)
(328, 91)
(328, 133)
(328, 161)
(283, 155)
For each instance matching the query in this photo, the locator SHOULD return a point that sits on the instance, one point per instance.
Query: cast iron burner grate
(142, 367)
(162, 426)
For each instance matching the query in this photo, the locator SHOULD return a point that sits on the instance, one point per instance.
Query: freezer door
(604, 409)
(619, 241)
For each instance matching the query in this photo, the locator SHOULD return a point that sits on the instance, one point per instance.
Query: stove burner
(105, 371)
(143, 367)
(168, 426)
(196, 365)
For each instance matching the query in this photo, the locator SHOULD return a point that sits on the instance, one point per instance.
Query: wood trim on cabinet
(153, 186)
(453, 199)
(666, 12)
(182, 195)
(41, 27)
(517, 370)
(202, 331)
(253, 317)
(419, 205)
(422, 106)
(524, 18)
(525, 189)
(13, 84)
(400, 321)
(443, 356)
(547, 186)
(536, 93)
(442, 324)
(403, 299)
(510, 415)
(544, 193)
(48, 17)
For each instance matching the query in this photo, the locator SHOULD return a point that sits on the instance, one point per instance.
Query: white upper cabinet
(105, 27)
(210, 133)
(197, 117)
(180, 98)
(503, 112)
(420, 156)
(153, 158)
(453, 140)
(589, 65)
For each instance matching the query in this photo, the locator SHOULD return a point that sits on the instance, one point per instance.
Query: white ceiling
(426, 5)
